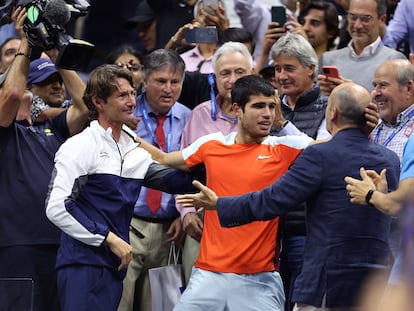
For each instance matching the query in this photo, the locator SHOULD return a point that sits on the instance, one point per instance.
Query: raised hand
(206, 198)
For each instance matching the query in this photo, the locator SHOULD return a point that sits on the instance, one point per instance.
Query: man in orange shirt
(239, 263)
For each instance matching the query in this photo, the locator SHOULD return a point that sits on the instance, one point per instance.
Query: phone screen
(201, 35)
(279, 15)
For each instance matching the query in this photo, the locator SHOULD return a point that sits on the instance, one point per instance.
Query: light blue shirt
(174, 124)
(401, 26)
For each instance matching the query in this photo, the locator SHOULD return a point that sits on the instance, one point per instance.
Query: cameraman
(28, 241)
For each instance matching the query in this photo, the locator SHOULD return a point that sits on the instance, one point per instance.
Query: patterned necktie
(154, 196)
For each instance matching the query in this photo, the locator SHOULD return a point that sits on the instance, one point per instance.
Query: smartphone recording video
(201, 35)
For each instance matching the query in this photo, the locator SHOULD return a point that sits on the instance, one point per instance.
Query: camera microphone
(44, 29)
(57, 12)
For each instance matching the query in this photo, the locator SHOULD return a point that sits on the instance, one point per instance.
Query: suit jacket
(345, 242)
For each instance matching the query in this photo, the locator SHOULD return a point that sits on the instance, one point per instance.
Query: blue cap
(40, 70)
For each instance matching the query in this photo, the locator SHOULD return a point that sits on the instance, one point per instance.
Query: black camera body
(44, 28)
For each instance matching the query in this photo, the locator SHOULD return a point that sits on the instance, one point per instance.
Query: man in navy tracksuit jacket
(96, 182)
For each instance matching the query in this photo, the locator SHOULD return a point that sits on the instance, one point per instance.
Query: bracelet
(22, 54)
(369, 196)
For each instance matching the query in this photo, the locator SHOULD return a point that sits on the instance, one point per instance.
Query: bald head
(393, 88)
(346, 107)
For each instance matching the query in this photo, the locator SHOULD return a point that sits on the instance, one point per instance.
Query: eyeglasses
(131, 67)
(365, 19)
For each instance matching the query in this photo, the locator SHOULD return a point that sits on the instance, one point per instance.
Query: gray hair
(296, 46)
(161, 58)
(232, 47)
(405, 72)
(381, 7)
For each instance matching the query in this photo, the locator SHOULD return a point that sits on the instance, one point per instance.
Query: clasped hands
(358, 189)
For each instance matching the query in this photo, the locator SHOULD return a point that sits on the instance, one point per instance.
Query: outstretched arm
(174, 159)
(206, 198)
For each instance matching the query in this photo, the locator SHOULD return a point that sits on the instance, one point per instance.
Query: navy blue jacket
(345, 242)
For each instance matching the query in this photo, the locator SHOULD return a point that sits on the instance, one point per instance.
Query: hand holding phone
(279, 15)
(331, 72)
(207, 7)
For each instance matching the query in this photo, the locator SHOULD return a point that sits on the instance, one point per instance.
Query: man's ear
(383, 18)
(145, 82)
(236, 108)
(334, 114)
(98, 102)
(410, 88)
(310, 70)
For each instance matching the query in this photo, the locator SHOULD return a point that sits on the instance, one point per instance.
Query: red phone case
(331, 71)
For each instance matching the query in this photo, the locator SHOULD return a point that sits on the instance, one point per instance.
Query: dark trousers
(28, 278)
(87, 288)
(291, 261)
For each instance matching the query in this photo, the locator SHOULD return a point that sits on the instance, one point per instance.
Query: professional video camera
(44, 29)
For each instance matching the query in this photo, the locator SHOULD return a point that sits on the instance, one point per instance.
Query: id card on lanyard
(396, 130)
(148, 125)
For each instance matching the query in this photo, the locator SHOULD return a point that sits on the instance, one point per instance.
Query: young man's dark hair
(247, 86)
(330, 18)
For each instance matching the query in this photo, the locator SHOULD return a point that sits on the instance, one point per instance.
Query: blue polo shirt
(26, 164)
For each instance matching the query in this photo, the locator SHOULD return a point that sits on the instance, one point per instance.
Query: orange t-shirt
(234, 169)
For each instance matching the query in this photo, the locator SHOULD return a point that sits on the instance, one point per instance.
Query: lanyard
(151, 130)
(396, 130)
(212, 82)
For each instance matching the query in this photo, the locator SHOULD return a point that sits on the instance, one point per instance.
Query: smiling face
(294, 79)
(163, 88)
(118, 108)
(390, 97)
(229, 68)
(256, 120)
(364, 23)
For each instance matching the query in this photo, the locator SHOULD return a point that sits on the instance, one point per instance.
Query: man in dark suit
(345, 242)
